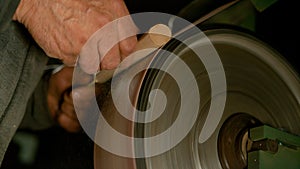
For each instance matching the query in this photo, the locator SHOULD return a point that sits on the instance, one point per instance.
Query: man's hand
(59, 98)
(61, 27)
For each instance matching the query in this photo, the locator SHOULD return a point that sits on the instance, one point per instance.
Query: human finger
(62, 80)
(127, 34)
(69, 124)
(127, 31)
(100, 48)
(112, 59)
(82, 98)
(67, 107)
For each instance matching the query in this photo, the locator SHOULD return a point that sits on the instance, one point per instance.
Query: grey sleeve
(37, 115)
(21, 67)
(7, 10)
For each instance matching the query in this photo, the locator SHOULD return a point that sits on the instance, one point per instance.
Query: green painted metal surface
(287, 156)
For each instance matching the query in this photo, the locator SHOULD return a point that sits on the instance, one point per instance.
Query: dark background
(58, 149)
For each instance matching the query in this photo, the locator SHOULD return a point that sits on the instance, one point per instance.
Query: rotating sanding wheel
(262, 88)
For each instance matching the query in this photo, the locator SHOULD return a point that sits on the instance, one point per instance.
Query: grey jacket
(22, 64)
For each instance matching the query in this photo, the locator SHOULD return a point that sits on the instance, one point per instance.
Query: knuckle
(128, 45)
(109, 65)
(103, 18)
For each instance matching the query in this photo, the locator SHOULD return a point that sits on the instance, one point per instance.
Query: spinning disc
(260, 85)
(261, 89)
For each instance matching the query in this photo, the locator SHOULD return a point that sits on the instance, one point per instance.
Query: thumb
(102, 46)
(83, 100)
